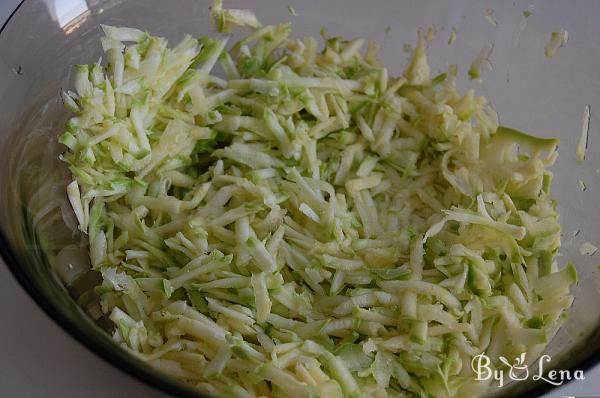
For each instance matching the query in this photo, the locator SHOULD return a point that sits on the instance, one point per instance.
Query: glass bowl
(44, 38)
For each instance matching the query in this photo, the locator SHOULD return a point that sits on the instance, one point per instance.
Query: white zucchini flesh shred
(309, 225)
(557, 40)
(583, 138)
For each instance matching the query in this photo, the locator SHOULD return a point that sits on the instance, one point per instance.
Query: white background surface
(38, 359)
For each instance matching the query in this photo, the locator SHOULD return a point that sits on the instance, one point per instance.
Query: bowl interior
(45, 38)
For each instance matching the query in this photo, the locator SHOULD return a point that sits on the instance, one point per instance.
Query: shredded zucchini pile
(276, 219)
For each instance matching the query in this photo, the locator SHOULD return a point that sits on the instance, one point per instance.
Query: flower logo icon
(517, 371)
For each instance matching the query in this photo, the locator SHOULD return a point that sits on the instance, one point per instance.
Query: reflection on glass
(68, 14)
